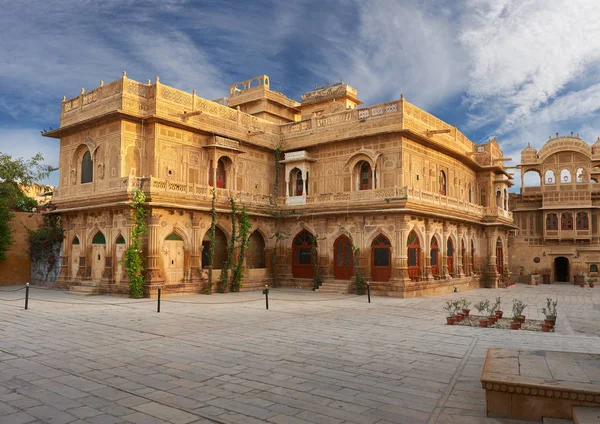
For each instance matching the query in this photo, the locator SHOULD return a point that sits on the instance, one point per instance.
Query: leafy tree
(15, 174)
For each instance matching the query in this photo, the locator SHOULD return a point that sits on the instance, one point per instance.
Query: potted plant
(464, 304)
(450, 312)
(481, 307)
(550, 313)
(590, 281)
(492, 318)
(497, 308)
(518, 317)
(579, 276)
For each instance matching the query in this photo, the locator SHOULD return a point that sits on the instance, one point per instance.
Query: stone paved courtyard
(311, 358)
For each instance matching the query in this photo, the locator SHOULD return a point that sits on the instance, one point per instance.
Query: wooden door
(343, 259)
(499, 257)
(302, 258)
(381, 259)
(413, 247)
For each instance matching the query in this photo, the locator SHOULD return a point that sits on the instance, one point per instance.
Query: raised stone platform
(530, 385)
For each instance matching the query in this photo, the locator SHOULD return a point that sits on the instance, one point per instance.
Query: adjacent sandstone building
(557, 217)
(426, 207)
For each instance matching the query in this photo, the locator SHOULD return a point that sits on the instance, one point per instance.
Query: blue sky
(520, 70)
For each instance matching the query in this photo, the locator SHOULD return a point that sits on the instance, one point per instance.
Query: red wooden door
(220, 174)
(343, 259)
(302, 263)
(381, 259)
(499, 258)
(299, 184)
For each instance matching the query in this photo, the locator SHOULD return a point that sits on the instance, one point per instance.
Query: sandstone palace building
(427, 208)
(557, 214)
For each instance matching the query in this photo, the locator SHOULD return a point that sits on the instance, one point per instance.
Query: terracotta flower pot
(591, 285)
(549, 322)
(522, 319)
(449, 320)
(499, 314)
(466, 312)
(546, 328)
(458, 317)
(483, 322)
(582, 285)
(537, 283)
(515, 325)
(492, 319)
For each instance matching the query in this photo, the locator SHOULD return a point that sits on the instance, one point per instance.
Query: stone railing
(494, 211)
(568, 198)
(350, 115)
(357, 196)
(444, 201)
(95, 102)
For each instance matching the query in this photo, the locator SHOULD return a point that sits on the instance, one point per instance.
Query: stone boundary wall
(15, 269)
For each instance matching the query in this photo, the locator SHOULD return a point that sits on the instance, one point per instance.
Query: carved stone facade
(556, 212)
(414, 194)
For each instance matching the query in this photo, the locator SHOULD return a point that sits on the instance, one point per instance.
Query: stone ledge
(531, 385)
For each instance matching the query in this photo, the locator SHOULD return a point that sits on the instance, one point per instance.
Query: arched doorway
(120, 247)
(499, 257)
(255, 256)
(343, 258)
(75, 256)
(413, 247)
(450, 256)
(561, 269)
(381, 260)
(98, 255)
(220, 252)
(173, 257)
(302, 257)
(433, 257)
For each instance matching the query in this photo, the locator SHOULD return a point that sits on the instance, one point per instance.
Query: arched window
(470, 193)
(299, 185)
(579, 175)
(414, 252)
(582, 221)
(499, 199)
(593, 268)
(75, 240)
(566, 221)
(120, 240)
(442, 183)
(505, 199)
(174, 237)
(549, 177)
(482, 198)
(565, 176)
(221, 179)
(532, 179)
(99, 238)
(87, 168)
(551, 221)
(433, 256)
(365, 177)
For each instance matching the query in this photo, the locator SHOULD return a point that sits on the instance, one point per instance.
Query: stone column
(490, 270)
(401, 251)
(153, 269)
(445, 272)
(428, 276)
(461, 268)
(196, 251)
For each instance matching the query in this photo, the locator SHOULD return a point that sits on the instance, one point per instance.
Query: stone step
(547, 420)
(586, 415)
(84, 290)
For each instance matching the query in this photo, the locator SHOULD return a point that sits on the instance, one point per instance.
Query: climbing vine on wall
(211, 247)
(45, 242)
(230, 251)
(133, 258)
(243, 238)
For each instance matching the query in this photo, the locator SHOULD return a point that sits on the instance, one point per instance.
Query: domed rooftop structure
(528, 154)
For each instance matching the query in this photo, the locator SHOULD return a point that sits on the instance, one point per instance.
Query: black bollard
(26, 295)
(158, 304)
(266, 293)
(369, 291)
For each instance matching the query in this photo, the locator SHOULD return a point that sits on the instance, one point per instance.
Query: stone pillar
(427, 251)
(153, 269)
(445, 272)
(460, 234)
(401, 251)
(65, 265)
(196, 250)
(490, 266)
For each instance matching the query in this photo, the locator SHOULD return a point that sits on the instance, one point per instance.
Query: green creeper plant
(316, 275)
(243, 238)
(230, 251)
(133, 258)
(359, 283)
(211, 247)
(45, 242)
